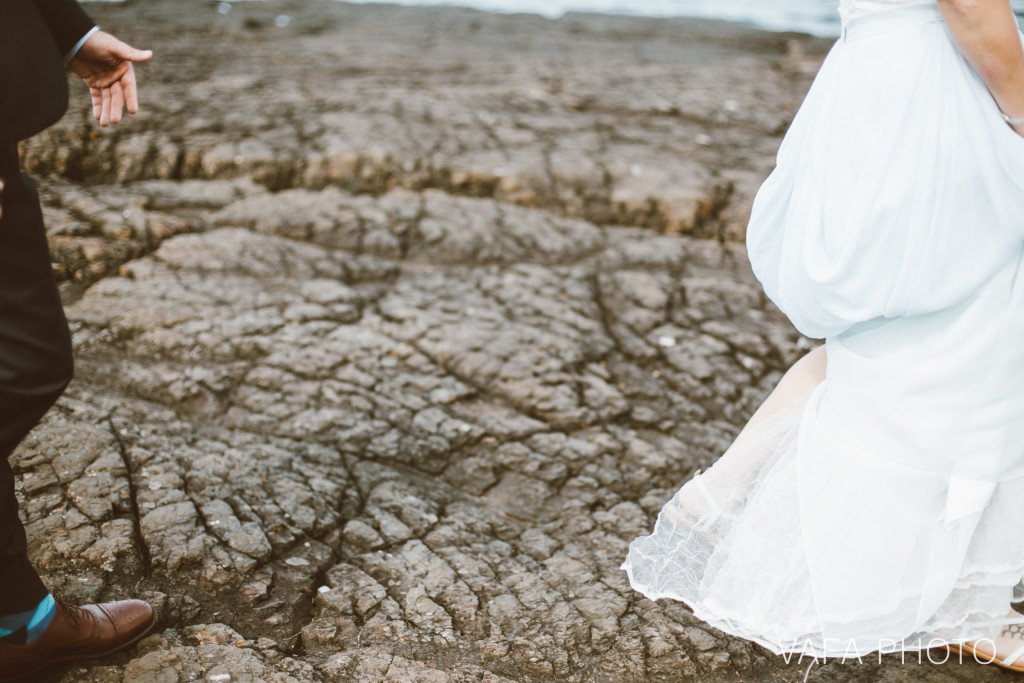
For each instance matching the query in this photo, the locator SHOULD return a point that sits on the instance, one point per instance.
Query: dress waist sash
(907, 16)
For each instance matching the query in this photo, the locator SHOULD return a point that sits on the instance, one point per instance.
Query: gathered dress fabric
(881, 509)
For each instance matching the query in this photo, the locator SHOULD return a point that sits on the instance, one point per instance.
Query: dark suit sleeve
(66, 20)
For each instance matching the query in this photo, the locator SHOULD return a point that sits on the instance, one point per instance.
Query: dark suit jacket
(34, 37)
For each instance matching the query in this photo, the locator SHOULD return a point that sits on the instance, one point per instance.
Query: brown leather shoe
(88, 632)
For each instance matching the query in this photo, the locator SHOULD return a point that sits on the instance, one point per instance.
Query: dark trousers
(35, 362)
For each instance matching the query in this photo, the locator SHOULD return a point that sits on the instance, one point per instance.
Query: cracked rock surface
(389, 341)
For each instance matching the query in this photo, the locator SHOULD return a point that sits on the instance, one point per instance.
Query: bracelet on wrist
(1014, 121)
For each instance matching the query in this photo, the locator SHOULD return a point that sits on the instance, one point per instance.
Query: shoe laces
(75, 613)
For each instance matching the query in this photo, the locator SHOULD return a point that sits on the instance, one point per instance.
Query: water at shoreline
(817, 17)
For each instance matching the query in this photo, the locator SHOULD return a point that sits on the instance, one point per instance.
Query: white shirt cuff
(78, 46)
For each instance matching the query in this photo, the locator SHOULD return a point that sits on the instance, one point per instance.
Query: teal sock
(28, 625)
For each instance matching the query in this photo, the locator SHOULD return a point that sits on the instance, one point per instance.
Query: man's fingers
(131, 93)
(129, 53)
(105, 108)
(108, 104)
(97, 102)
(105, 64)
(116, 103)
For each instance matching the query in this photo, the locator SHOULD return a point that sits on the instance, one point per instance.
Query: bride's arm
(987, 35)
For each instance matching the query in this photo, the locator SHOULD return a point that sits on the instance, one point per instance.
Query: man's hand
(105, 64)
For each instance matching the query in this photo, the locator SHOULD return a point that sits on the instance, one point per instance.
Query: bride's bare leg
(802, 377)
(717, 483)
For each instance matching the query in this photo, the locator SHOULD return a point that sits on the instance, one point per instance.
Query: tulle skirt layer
(882, 508)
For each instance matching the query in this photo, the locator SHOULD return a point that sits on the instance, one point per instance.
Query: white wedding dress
(881, 509)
